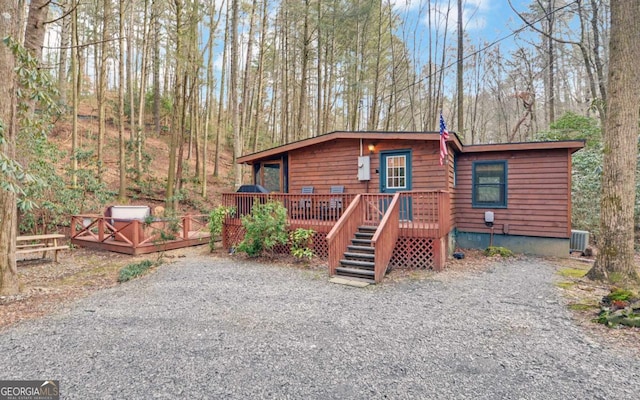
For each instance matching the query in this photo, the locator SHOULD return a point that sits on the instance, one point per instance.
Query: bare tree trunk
(102, 84)
(140, 129)
(156, 66)
(551, 94)
(233, 92)
(130, 82)
(74, 93)
(460, 73)
(221, 123)
(9, 26)
(34, 34)
(320, 78)
(122, 187)
(372, 123)
(176, 122)
(260, 78)
(306, 42)
(62, 59)
(615, 260)
(208, 109)
(247, 104)
(597, 60)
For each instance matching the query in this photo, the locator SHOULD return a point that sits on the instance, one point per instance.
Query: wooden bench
(40, 243)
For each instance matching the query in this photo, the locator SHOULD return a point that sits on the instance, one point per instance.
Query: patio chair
(305, 204)
(335, 203)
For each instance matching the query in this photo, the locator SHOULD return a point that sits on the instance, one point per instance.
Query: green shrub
(216, 219)
(496, 250)
(265, 226)
(620, 294)
(134, 270)
(301, 241)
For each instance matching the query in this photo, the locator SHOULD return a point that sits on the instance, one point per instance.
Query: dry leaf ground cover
(46, 286)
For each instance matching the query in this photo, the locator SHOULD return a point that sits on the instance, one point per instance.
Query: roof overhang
(454, 142)
(377, 136)
(571, 145)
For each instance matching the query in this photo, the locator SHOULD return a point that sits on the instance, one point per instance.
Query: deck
(136, 237)
(422, 213)
(411, 226)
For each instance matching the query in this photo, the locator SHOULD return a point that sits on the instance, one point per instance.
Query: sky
(484, 20)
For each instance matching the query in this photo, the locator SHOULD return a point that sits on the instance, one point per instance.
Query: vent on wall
(579, 241)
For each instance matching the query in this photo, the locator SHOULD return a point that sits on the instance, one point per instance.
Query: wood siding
(538, 194)
(336, 163)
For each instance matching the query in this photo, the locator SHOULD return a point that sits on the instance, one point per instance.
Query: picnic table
(40, 243)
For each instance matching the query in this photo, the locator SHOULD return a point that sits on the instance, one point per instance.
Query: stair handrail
(343, 231)
(385, 237)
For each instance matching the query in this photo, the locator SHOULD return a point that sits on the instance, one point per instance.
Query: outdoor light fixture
(372, 148)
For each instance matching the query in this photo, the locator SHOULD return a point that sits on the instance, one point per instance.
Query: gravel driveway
(210, 328)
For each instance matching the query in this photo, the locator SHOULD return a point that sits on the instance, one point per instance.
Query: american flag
(444, 136)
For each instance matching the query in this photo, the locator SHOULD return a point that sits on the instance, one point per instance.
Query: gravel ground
(215, 328)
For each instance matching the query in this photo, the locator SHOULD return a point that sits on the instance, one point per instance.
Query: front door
(395, 176)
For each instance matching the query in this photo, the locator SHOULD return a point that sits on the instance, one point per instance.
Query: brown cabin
(379, 200)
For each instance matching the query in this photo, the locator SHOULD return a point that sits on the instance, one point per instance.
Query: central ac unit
(579, 241)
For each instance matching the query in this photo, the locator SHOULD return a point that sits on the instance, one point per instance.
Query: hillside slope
(151, 189)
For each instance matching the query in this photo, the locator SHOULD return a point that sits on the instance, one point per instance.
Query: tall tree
(65, 28)
(102, 83)
(615, 259)
(460, 72)
(122, 187)
(176, 114)
(35, 30)
(9, 26)
(139, 133)
(233, 91)
(75, 93)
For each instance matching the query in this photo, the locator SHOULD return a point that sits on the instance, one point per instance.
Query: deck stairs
(358, 261)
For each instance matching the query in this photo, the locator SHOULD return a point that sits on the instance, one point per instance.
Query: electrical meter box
(364, 168)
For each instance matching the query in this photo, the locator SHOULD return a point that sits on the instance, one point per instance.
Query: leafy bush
(301, 241)
(265, 226)
(134, 270)
(620, 294)
(496, 250)
(216, 219)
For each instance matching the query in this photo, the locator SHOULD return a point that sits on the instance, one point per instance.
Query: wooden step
(364, 235)
(367, 228)
(355, 272)
(367, 265)
(361, 249)
(365, 242)
(351, 255)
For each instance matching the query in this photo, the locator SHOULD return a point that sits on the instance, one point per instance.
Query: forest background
(152, 100)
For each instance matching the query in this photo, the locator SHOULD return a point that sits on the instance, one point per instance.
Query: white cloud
(483, 5)
(474, 14)
(406, 5)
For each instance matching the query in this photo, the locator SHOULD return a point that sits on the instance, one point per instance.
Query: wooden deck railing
(136, 233)
(384, 240)
(421, 213)
(341, 234)
(425, 214)
(319, 211)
